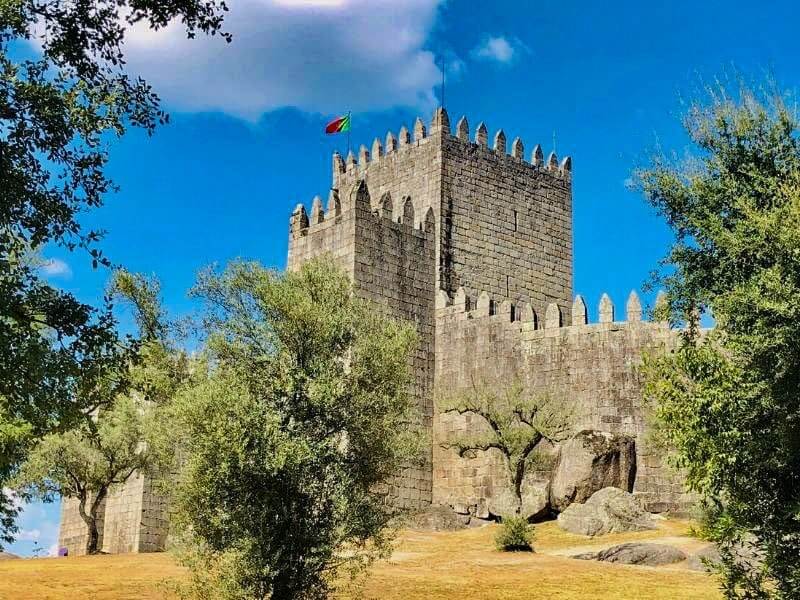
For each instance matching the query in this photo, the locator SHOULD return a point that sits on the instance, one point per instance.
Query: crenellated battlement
(484, 306)
(404, 146)
(593, 368)
(302, 225)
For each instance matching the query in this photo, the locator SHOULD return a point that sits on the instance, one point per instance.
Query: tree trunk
(90, 518)
(519, 472)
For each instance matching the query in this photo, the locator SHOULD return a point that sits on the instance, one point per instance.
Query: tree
(305, 413)
(727, 402)
(87, 462)
(58, 113)
(518, 422)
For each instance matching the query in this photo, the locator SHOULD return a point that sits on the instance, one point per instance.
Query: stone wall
(123, 520)
(591, 368)
(72, 533)
(391, 262)
(394, 269)
(133, 518)
(137, 517)
(507, 226)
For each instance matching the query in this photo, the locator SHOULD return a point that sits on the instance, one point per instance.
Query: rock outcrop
(608, 511)
(590, 461)
(437, 518)
(651, 555)
(504, 501)
(746, 553)
(8, 556)
(697, 562)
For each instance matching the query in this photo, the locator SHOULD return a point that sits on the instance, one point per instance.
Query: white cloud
(55, 267)
(38, 526)
(317, 55)
(52, 550)
(29, 535)
(499, 49)
(455, 68)
(310, 3)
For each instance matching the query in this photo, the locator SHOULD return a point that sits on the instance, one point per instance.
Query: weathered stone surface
(590, 461)
(746, 554)
(697, 561)
(651, 555)
(437, 518)
(608, 511)
(534, 498)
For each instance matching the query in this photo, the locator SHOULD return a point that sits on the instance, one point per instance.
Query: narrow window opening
(515, 220)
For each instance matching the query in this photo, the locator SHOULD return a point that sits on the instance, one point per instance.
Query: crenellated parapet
(302, 225)
(409, 141)
(483, 305)
(592, 367)
(537, 163)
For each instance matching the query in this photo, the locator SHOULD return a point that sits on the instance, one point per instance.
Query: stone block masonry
(591, 368)
(391, 262)
(133, 518)
(473, 245)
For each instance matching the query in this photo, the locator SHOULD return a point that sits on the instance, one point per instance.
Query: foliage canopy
(291, 440)
(728, 402)
(64, 96)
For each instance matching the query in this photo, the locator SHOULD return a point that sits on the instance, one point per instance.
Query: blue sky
(246, 141)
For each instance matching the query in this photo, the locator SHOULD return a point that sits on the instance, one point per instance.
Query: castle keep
(473, 245)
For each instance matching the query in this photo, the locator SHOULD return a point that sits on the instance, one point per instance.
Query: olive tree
(87, 462)
(727, 402)
(304, 413)
(517, 422)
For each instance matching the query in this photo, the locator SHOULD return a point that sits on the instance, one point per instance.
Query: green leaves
(303, 414)
(59, 111)
(86, 459)
(727, 401)
(515, 535)
(516, 423)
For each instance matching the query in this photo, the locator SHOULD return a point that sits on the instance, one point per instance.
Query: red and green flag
(339, 124)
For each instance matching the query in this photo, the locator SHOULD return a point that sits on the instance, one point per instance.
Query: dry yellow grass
(117, 577)
(433, 566)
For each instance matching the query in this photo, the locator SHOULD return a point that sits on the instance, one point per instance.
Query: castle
(473, 245)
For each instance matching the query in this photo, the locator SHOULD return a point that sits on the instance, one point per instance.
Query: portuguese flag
(339, 124)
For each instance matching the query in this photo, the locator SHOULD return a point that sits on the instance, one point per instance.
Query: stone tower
(430, 214)
(473, 244)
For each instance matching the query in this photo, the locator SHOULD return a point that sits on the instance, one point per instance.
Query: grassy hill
(461, 564)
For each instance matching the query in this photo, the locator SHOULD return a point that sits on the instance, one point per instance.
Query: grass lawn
(460, 565)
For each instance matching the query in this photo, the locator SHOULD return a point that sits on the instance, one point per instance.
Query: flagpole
(349, 127)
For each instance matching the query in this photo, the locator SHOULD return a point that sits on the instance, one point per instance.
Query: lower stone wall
(133, 518)
(123, 516)
(394, 270)
(154, 528)
(73, 533)
(590, 368)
